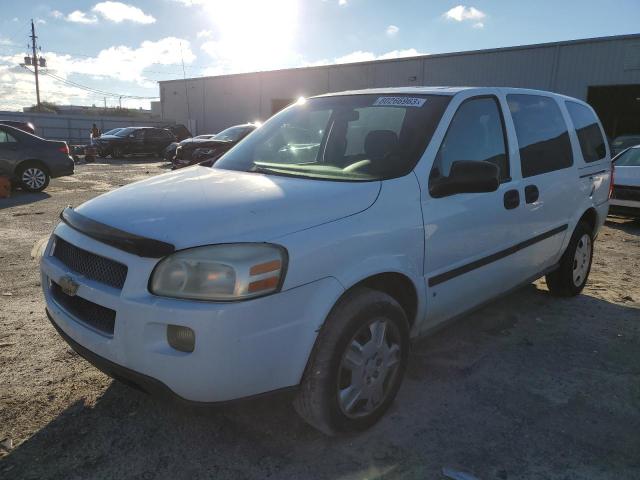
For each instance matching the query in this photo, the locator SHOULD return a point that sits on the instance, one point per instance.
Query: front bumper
(242, 348)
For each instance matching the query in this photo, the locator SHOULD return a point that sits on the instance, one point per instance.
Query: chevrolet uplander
(312, 252)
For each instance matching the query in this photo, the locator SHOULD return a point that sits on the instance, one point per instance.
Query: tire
(331, 397)
(572, 274)
(33, 177)
(116, 152)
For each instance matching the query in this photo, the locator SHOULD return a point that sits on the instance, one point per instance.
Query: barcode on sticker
(399, 102)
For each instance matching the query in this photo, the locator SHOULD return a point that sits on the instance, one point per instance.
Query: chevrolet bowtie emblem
(68, 285)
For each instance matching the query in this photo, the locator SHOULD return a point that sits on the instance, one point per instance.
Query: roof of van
(435, 91)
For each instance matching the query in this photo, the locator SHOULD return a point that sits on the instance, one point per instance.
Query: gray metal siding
(563, 67)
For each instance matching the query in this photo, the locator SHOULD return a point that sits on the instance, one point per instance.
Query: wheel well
(26, 163)
(590, 217)
(398, 286)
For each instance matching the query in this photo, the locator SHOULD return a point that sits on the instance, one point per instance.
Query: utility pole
(35, 61)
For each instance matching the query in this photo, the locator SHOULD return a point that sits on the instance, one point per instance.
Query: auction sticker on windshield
(399, 102)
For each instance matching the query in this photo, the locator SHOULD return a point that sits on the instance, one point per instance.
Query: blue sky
(125, 47)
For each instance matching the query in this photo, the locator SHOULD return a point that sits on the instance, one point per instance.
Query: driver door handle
(511, 199)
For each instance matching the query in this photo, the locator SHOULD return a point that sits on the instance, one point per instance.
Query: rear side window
(542, 134)
(475, 133)
(588, 131)
(6, 137)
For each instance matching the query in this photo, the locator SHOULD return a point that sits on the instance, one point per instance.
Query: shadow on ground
(627, 225)
(20, 197)
(519, 389)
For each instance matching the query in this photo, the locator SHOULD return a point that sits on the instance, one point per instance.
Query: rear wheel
(357, 365)
(571, 275)
(33, 177)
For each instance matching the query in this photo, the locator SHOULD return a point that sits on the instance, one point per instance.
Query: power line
(96, 91)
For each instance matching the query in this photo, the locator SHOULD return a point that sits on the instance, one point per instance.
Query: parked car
(170, 152)
(32, 161)
(625, 196)
(112, 131)
(623, 142)
(312, 268)
(197, 149)
(179, 131)
(134, 140)
(24, 126)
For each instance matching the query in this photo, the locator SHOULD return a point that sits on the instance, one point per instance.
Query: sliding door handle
(531, 194)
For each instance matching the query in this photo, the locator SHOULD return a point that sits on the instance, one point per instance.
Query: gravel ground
(529, 387)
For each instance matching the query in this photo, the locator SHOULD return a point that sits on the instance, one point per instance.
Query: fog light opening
(181, 338)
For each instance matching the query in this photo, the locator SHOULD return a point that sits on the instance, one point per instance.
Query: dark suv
(134, 140)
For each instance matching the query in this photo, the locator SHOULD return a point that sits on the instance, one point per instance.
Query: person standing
(95, 133)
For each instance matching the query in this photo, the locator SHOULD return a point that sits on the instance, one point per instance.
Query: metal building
(604, 71)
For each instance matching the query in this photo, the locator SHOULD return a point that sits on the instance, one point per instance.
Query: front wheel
(117, 153)
(357, 364)
(33, 178)
(572, 273)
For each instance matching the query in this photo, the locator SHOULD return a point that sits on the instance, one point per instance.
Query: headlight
(221, 272)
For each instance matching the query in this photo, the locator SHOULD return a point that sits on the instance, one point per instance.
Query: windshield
(348, 138)
(630, 158)
(125, 131)
(112, 132)
(231, 134)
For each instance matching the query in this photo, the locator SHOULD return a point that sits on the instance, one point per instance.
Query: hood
(202, 142)
(201, 205)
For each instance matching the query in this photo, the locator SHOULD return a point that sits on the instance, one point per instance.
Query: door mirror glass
(466, 176)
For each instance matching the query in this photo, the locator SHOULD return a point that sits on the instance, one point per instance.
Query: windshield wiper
(269, 171)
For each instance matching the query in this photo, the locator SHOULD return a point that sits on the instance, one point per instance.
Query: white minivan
(311, 253)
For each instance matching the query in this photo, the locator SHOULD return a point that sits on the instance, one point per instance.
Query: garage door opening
(618, 107)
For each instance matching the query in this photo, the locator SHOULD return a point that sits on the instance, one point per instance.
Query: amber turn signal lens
(265, 284)
(265, 267)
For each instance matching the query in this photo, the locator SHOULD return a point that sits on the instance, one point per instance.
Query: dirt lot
(529, 387)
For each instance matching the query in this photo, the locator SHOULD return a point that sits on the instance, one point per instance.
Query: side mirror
(467, 176)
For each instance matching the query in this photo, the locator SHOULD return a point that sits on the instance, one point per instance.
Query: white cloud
(56, 14)
(342, 3)
(478, 25)
(118, 12)
(117, 63)
(364, 56)
(461, 13)
(80, 17)
(41, 21)
(204, 34)
(392, 30)
(6, 42)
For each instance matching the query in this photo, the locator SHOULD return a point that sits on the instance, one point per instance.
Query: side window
(475, 133)
(6, 137)
(588, 131)
(542, 134)
(139, 134)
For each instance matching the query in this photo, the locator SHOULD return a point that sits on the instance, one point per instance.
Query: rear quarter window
(588, 131)
(542, 134)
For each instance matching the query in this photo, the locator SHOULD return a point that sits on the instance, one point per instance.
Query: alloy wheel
(34, 178)
(368, 368)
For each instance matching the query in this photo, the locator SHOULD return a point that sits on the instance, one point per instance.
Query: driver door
(467, 235)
